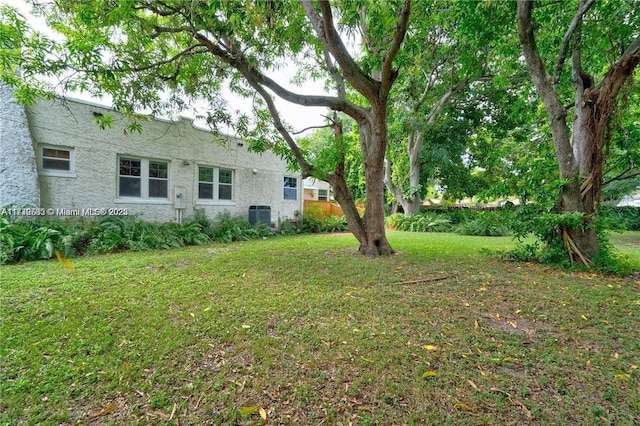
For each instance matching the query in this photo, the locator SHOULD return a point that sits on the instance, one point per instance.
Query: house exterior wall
(18, 172)
(92, 182)
(312, 186)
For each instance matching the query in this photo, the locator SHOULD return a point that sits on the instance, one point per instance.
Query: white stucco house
(55, 156)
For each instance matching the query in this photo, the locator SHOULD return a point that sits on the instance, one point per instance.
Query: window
(56, 161)
(141, 178)
(205, 183)
(214, 182)
(290, 188)
(158, 179)
(130, 177)
(323, 194)
(225, 184)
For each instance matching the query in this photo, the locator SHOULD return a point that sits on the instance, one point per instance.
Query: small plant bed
(303, 330)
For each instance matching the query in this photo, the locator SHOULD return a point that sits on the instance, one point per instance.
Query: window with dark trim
(290, 188)
(142, 178)
(56, 161)
(215, 184)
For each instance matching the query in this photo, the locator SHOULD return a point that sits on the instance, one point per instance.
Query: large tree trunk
(374, 144)
(580, 164)
(368, 230)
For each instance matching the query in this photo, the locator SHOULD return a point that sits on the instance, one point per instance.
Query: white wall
(258, 178)
(18, 174)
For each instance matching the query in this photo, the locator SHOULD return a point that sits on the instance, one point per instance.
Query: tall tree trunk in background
(580, 163)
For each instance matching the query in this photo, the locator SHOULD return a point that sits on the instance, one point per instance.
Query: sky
(297, 116)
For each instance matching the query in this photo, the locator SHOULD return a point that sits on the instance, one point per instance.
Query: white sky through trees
(298, 117)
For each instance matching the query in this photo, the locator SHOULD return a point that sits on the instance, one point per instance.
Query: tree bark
(584, 244)
(581, 164)
(376, 242)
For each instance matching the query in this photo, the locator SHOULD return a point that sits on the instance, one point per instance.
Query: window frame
(145, 179)
(294, 188)
(44, 171)
(324, 197)
(215, 185)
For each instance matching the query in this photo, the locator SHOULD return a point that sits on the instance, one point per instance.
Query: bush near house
(25, 240)
(315, 220)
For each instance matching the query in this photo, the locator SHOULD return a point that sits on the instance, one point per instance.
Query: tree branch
(388, 73)
(240, 63)
(389, 183)
(431, 118)
(324, 27)
(188, 51)
(311, 127)
(562, 56)
(307, 169)
(622, 176)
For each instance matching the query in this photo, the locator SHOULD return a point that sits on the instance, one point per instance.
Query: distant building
(317, 190)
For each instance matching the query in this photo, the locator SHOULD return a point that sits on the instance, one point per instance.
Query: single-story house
(317, 190)
(56, 157)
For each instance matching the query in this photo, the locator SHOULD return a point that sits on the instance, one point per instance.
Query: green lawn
(310, 332)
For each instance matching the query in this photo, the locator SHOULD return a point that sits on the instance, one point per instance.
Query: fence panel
(329, 208)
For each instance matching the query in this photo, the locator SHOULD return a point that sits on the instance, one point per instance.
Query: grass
(628, 244)
(312, 333)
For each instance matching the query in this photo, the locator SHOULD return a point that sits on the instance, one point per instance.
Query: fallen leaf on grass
(247, 411)
(66, 263)
(463, 406)
(106, 410)
(624, 377)
(429, 373)
(430, 348)
(252, 409)
(245, 326)
(473, 385)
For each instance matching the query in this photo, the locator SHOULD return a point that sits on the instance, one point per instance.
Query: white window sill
(141, 201)
(201, 203)
(61, 174)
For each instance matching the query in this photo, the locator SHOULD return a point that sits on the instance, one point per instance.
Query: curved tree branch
(564, 49)
(239, 62)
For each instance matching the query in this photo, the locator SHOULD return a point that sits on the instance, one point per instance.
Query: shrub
(229, 228)
(621, 218)
(316, 220)
(423, 222)
(23, 239)
(487, 224)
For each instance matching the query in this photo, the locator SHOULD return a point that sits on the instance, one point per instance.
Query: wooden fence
(328, 208)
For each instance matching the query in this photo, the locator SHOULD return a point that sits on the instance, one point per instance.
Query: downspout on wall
(18, 168)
